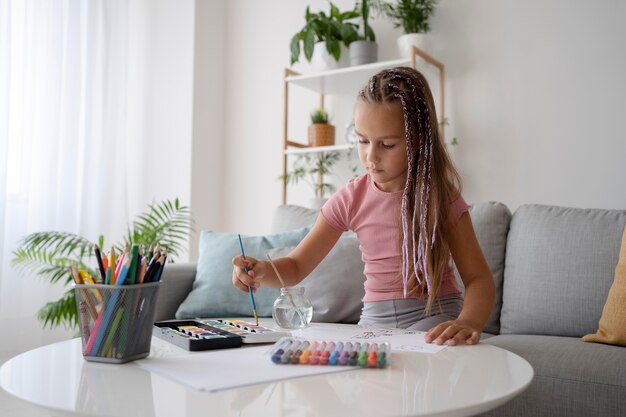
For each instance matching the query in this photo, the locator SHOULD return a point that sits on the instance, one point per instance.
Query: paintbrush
(243, 255)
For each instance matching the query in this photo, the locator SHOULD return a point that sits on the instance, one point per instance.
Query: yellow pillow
(612, 325)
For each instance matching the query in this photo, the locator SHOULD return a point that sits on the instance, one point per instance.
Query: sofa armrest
(176, 282)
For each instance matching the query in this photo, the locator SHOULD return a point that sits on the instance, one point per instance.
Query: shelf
(347, 80)
(315, 149)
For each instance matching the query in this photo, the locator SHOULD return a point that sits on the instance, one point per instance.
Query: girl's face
(382, 144)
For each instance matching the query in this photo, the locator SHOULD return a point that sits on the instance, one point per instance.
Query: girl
(409, 216)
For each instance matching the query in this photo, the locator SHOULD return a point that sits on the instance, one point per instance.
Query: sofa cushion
(558, 270)
(213, 294)
(176, 283)
(288, 217)
(491, 222)
(572, 378)
(612, 326)
(335, 286)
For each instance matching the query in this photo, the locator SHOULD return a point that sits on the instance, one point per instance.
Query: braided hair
(430, 184)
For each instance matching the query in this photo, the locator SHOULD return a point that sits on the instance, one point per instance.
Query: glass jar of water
(292, 310)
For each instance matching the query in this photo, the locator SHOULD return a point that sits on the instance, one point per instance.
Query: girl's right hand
(243, 280)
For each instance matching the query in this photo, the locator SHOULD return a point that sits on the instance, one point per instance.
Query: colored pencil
(98, 255)
(132, 273)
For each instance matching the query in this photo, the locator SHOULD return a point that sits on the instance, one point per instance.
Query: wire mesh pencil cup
(116, 320)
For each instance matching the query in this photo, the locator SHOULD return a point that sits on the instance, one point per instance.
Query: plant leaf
(309, 44)
(62, 311)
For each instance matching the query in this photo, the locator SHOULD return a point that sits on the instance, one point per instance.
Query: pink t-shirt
(374, 215)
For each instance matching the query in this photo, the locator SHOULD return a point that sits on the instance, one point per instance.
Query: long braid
(423, 206)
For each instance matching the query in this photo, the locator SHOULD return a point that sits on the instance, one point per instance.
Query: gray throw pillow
(289, 217)
(560, 264)
(491, 221)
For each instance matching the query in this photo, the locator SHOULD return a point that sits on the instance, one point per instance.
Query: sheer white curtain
(64, 157)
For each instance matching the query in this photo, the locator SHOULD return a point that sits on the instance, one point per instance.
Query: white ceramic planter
(323, 61)
(363, 52)
(406, 41)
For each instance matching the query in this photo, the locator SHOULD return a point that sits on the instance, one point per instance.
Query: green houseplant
(413, 17)
(50, 254)
(364, 50)
(328, 30)
(320, 131)
(314, 169)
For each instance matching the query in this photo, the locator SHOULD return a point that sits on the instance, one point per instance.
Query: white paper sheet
(400, 340)
(217, 370)
(223, 369)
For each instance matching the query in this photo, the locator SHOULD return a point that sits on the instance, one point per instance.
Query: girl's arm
(479, 289)
(294, 267)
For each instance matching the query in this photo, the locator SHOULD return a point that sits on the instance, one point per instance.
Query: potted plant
(320, 132)
(365, 49)
(322, 38)
(413, 16)
(51, 254)
(314, 170)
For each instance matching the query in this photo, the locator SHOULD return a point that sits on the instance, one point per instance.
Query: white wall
(258, 35)
(535, 96)
(208, 142)
(161, 85)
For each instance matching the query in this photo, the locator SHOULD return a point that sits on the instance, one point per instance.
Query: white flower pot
(406, 41)
(323, 61)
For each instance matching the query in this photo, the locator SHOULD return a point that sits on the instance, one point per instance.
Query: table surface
(457, 381)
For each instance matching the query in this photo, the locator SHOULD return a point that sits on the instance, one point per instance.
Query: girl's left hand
(455, 332)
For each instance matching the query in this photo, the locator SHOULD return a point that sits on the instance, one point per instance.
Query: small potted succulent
(413, 16)
(365, 49)
(320, 132)
(322, 38)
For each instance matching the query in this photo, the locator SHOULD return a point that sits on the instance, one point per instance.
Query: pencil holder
(116, 320)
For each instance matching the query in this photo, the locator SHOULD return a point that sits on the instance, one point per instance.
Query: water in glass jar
(287, 317)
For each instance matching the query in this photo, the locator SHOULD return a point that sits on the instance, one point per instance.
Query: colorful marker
(372, 357)
(332, 360)
(362, 358)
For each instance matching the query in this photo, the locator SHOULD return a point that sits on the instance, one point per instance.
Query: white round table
(458, 381)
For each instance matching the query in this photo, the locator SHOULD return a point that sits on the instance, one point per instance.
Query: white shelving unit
(300, 151)
(343, 81)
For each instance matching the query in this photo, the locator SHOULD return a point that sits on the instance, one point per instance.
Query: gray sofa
(553, 267)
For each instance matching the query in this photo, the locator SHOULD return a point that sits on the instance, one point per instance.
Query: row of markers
(305, 352)
(132, 266)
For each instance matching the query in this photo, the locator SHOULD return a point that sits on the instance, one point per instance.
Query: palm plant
(50, 254)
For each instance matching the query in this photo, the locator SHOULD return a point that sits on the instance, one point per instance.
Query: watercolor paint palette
(194, 335)
(249, 332)
(293, 351)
